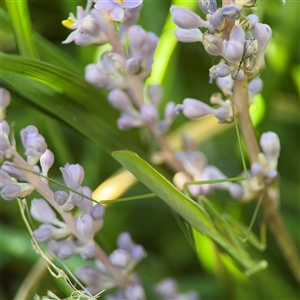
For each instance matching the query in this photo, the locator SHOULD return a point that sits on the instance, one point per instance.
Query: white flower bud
(42, 212)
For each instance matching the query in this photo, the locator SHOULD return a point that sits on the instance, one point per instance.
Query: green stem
(271, 212)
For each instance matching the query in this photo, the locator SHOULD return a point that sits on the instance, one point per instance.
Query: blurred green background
(150, 221)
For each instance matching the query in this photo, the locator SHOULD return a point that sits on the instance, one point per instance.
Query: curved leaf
(188, 209)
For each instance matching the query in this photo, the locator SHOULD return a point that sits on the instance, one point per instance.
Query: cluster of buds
(240, 41)
(263, 174)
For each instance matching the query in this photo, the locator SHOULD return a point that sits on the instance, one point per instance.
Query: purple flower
(73, 175)
(116, 7)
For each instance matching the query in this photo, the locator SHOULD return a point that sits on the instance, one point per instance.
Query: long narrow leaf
(188, 209)
(20, 19)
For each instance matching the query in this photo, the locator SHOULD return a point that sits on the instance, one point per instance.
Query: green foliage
(54, 86)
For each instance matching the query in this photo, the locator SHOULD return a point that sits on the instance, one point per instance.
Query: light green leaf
(185, 207)
(20, 20)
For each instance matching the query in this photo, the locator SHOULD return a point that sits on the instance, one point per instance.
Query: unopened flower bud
(233, 50)
(252, 20)
(34, 144)
(208, 6)
(133, 66)
(155, 93)
(11, 191)
(167, 288)
(127, 121)
(170, 112)
(270, 144)
(5, 179)
(61, 197)
(96, 73)
(257, 169)
(212, 44)
(134, 292)
(125, 242)
(13, 171)
(150, 45)
(42, 212)
(255, 86)
(76, 198)
(222, 70)
(194, 109)
(225, 84)
(138, 252)
(62, 249)
(231, 12)
(149, 114)
(216, 22)
(85, 227)
(119, 99)
(4, 128)
(263, 34)
(89, 252)
(188, 35)
(185, 18)
(90, 26)
(73, 175)
(46, 161)
(43, 233)
(238, 74)
(236, 191)
(97, 212)
(137, 38)
(272, 174)
(88, 276)
(119, 257)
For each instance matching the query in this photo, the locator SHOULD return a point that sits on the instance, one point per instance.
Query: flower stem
(270, 207)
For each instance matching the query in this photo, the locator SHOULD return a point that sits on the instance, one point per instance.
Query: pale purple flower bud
(42, 212)
(91, 26)
(137, 252)
(233, 50)
(86, 205)
(155, 93)
(119, 99)
(149, 46)
(185, 18)
(96, 73)
(270, 144)
(5, 179)
(61, 197)
(73, 175)
(149, 114)
(62, 249)
(44, 233)
(253, 20)
(4, 128)
(137, 38)
(88, 276)
(188, 35)
(212, 44)
(75, 198)
(208, 6)
(85, 227)
(134, 292)
(5, 149)
(167, 288)
(236, 191)
(13, 171)
(257, 169)
(119, 257)
(5, 98)
(170, 112)
(97, 212)
(34, 144)
(238, 74)
(127, 121)
(272, 174)
(220, 70)
(225, 84)
(194, 109)
(124, 241)
(263, 34)
(216, 21)
(11, 191)
(89, 252)
(46, 161)
(133, 66)
(255, 86)
(231, 12)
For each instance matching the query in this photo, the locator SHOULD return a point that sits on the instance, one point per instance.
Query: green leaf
(65, 108)
(188, 209)
(20, 19)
